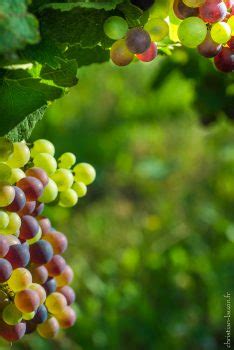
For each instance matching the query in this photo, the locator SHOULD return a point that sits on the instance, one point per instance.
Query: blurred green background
(152, 243)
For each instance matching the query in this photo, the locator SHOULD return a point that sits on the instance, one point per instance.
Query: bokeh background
(152, 243)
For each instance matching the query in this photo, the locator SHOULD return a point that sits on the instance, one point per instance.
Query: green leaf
(17, 26)
(21, 95)
(133, 15)
(98, 5)
(24, 129)
(85, 57)
(65, 75)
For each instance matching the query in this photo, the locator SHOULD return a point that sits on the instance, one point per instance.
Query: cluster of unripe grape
(34, 277)
(208, 25)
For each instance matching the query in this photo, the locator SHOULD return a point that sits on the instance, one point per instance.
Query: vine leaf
(64, 76)
(105, 5)
(85, 57)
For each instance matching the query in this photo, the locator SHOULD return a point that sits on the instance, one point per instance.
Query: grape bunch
(208, 25)
(34, 277)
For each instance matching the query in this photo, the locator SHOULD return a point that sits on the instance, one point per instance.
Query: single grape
(137, 40)
(43, 146)
(11, 315)
(157, 28)
(27, 300)
(182, 11)
(55, 303)
(5, 172)
(41, 252)
(41, 315)
(143, 4)
(67, 160)
(45, 161)
(5, 270)
(6, 149)
(212, 11)
(192, 32)
(65, 278)
(66, 318)
(150, 54)
(16, 175)
(38, 173)
(28, 209)
(80, 188)
(50, 192)
(7, 194)
(18, 202)
(20, 279)
(20, 156)
(85, 173)
(221, 32)
(14, 224)
(58, 241)
(29, 227)
(4, 219)
(56, 265)
(69, 294)
(115, 27)
(39, 274)
(63, 179)
(4, 246)
(11, 239)
(209, 48)
(68, 198)
(120, 55)
(18, 255)
(45, 224)
(50, 286)
(28, 316)
(49, 328)
(224, 61)
(40, 291)
(32, 187)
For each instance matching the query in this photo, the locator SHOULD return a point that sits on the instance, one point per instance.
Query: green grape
(67, 160)
(35, 238)
(29, 316)
(6, 149)
(7, 195)
(20, 279)
(157, 28)
(80, 189)
(42, 146)
(220, 32)
(45, 161)
(120, 54)
(20, 156)
(230, 22)
(16, 175)
(85, 173)
(50, 192)
(11, 315)
(115, 27)
(192, 32)
(13, 226)
(68, 198)
(63, 179)
(4, 219)
(194, 3)
(5, 172)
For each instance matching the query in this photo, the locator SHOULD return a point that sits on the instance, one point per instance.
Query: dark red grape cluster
(208, 25)
(34, 277)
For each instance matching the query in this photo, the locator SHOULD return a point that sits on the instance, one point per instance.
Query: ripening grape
(115, 27)
(32, 187)
(224, 61)
(12, 333)
(5, 172)
(7, 195)
(213, 11)
(42, 146)
(85, 173)
(18, 202)
(38, 173)
(11, 239)
(4, 219)
(143, 4)
(29, 227)
(192, 32)
(50, 286)
(157, 28)
(11, 315)
(39, 274)
(4, 246)
(67, 160)
(50, 192)
(6, 149)
(56, 265)
(209, 48)
(150, 54)
(45, 224)
(16, 175)
(69, 294)
(65, 278)
(80, 188)
(49, 328)
(39, 207)
(41, 252)
(58, 241)
(138, 40)
(194, 3)
(27, 300)
(40, 291)
(63, 179)
(5, 270)
(36, 238)
(20, 156)
(45, 161)
(68, 198)
(221, 32)
(56, 302)
(120, 54)
(18, 255)
(20, 279)
(41, 315)
(28, 208)
(66, 317)
(182, 11)
(14, 224)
